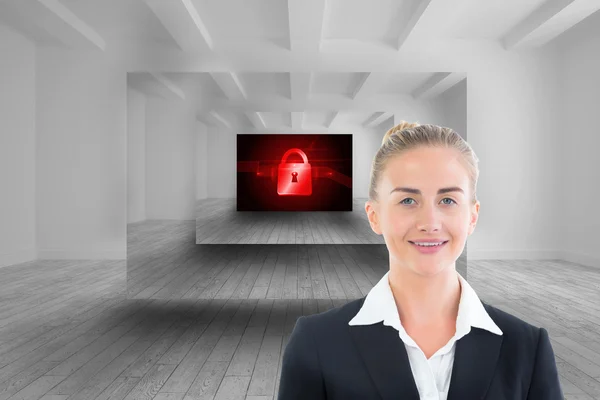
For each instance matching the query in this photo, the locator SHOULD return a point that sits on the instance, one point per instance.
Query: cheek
(399, 225)
(459, 226)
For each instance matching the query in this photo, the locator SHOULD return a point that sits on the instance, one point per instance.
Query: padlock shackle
(294, 150)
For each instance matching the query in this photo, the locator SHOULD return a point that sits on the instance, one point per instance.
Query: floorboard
(218, 222)
(182, 321)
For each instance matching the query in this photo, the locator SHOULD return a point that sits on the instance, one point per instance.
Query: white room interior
(118, 113)
(66, 127)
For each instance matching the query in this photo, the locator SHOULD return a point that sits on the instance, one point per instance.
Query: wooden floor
(186, 321)
(218, 222)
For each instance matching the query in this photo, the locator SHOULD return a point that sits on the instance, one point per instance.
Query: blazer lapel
(475, 359)
(386, 359)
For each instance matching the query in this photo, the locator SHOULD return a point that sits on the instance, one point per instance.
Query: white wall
(512, 107)
(517, 124)
(171, 134)
(510, 104)
(81, 124)
(136, 156)
(17, 148)
(451, 108)
(201, 161)
(419, 111)
(578, 179)
(364, 147)
(222, 159)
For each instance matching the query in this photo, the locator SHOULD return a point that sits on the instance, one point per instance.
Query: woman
(421, 332)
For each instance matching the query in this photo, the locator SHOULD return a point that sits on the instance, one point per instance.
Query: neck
(425, 300)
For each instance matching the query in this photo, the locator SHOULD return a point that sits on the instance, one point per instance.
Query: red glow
(294, 179)
(260, 158)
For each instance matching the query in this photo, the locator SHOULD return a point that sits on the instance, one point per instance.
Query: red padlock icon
(294, 179)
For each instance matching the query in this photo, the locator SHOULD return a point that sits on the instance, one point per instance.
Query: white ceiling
(273, 99)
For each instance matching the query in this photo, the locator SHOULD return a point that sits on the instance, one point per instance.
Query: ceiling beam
(183, 22)
(305, 23)
(211, 120)
(191, 9)
(437, 84)
(63, 23)
(548, 21)
(238, 83)
(329, 121)
(169, 84)
(256, 119)
(204, 120)
(234, 57)
(220, 118)
(327, 12)
(371, 118)
(262, 119)
(361, 81)
(230, 85)
(377, 118)
(316, 103)
(421, 6)
(368, 84)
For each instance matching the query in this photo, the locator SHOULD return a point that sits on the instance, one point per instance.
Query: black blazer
(326, 358)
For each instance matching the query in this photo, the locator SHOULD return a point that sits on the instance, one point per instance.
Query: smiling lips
(434, 240)
(429, 249)
(429, 243)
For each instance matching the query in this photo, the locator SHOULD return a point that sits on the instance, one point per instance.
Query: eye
(447, 198)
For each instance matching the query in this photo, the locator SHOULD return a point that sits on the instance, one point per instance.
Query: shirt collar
(379, 305)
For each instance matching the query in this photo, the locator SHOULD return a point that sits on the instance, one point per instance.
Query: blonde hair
(408, 136)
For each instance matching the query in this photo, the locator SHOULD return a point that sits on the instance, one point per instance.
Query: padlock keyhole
(294, 176)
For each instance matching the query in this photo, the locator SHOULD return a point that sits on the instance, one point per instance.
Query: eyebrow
(417, 191)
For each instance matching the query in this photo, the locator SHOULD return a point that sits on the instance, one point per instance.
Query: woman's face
(404, 216)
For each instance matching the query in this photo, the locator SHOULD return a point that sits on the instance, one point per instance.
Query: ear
(373, 215)
(474, 217)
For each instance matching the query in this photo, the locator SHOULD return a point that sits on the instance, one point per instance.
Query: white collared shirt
(432, 375)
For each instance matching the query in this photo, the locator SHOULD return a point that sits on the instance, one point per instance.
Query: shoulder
(339, 317)
(528, 346)
(326, 330)
(513, 329)
(333, 319)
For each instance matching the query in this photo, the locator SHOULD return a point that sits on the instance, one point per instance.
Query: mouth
(429, 249)
(428, 245)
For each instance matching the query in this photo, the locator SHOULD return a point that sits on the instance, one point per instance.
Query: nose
(428, 219)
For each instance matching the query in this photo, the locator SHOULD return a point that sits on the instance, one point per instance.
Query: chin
(429, 270)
